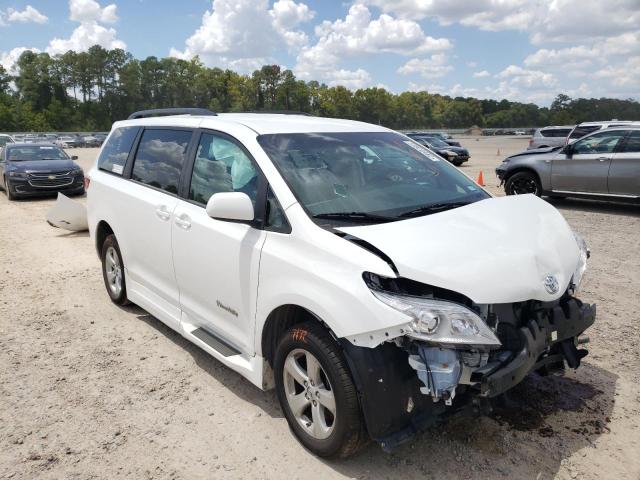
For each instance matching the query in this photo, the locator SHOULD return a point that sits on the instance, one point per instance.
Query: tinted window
(633, 142)
(160, 158)
(604, 142)
(580, 132)
(555, 132)
(35, 152)
(115, 152)
(221, 166)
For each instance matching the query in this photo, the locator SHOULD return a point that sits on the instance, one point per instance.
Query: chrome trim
(596, 194)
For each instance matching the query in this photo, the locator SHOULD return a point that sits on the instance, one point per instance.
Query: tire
(521, 183)
(113, 271)
(457, 164)
(10, 195)
(316, 427)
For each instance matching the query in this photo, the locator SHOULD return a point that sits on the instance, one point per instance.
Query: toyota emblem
(551, 284)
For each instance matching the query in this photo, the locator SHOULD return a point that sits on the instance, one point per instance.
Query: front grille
(50, 180)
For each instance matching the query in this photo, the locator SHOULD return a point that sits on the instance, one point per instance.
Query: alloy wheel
(113, 269)
(309, 393)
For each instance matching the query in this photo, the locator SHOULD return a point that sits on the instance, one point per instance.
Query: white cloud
(545, 21)
(8, 59)
(352, 79)
(29, 14)
(90, 32)
(84, 11)
(434, 67)
(357, 35)
(245, 34)
(530, 79)
(481, 74)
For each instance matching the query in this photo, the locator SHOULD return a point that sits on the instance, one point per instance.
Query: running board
(215, 342)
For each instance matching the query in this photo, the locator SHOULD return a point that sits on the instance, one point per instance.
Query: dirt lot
(90, 390)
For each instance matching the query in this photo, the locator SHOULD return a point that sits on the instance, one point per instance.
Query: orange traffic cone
(480, 180)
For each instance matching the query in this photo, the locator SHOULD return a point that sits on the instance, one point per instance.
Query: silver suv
(605, 163)
(585, 128)
(546, 137)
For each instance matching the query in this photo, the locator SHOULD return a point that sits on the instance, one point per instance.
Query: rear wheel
(521, 183)
(316, 392)
(113, 271)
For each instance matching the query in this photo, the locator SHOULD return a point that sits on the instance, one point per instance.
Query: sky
(521, 50)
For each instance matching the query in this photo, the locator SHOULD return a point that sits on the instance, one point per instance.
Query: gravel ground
(90, 390)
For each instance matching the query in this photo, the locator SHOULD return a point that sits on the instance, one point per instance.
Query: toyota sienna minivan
(367, 280)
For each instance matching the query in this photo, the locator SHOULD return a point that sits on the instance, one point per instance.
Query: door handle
(603, 159)
(163, 213)
(183, 221)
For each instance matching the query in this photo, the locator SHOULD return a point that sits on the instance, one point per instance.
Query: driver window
(604, 142)
(221, 166)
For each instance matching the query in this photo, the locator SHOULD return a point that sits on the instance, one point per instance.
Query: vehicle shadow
(595, 206)
(236, 383)
(529, 433)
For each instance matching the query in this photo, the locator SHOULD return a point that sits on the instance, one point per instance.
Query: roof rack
(163, 112)
(281, 112)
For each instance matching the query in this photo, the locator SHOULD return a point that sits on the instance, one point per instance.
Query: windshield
(367, 176)
(30, 153)
(435, 142)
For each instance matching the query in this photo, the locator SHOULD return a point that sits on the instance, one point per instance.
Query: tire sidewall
(326, 447)
(111, 241)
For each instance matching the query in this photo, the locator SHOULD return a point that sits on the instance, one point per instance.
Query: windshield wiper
(433, 208)
(363, 216)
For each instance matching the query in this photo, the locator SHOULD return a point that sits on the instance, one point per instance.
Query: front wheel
(7, 190)
(316, 392)
(522, 183)
(113, 271)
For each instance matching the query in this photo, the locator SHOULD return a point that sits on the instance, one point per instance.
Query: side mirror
(568, 150)
(230, 206)
(74, 157)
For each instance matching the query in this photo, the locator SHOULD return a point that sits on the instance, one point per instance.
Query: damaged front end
(454, 353)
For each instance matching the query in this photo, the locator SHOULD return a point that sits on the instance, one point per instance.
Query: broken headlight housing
(578, 274)
(439, 321)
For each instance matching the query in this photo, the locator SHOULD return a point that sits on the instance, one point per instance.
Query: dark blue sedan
(29, 169)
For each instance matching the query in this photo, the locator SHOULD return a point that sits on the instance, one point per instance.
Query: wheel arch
(523, 168)
(279, 320)
(103, 230)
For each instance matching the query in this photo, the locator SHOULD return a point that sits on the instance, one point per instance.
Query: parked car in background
(331, 259)
(520, 133)
(101, 137)
(68, 141)
(553, 136)
(4, 139)
(585, 128)
(602, 164)
(439, 135)
(29, 169)
(455, 155)
(90, 141)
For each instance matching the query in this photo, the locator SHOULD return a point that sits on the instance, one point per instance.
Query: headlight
(578, 274)
(77, 171)
(439, 321)
(18, 174)
(450, 153)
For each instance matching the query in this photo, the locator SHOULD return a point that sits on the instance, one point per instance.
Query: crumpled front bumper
(393, 405)
(559, 327)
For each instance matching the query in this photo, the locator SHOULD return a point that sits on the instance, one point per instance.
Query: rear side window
(555, 132)
(116, 150)
(633, 143)
(160, 158)
(580, 132)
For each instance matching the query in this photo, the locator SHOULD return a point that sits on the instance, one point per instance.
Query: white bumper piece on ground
(68, 214)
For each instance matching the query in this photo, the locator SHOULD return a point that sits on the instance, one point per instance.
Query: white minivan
(374, 285)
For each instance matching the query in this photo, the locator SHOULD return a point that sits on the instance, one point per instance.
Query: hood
(458, 150)
(45, 166)
(537, 151)
(498, 250)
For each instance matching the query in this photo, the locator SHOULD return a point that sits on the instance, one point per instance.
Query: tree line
(87, 91)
